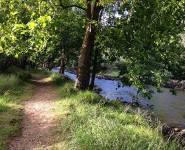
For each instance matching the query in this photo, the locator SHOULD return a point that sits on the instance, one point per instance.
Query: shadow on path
(39, 119)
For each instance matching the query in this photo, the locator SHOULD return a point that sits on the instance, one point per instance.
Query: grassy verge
(13, 93)
(40, 72)
(88, 122)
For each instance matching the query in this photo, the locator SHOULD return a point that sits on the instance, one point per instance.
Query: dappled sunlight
(45, 80)
(39, 119)
(39, 80)
(116, 51)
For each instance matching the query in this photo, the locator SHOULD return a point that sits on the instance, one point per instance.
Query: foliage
(146, 34)
(41, 31)
(148, 37)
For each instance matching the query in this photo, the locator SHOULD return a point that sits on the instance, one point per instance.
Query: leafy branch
(70, 6)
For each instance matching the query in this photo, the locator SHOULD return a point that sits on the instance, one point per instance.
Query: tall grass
(22, 74)
(89, 122)
(11, 107)
(8, 83)
(58, 79)
(44, 73)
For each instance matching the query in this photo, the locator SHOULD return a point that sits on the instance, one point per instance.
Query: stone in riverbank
(175, 84)
(177, 129)
(182, 132)
(174, 133)
(182, 137)
(166, 130)
(97, 90)
(183, 142)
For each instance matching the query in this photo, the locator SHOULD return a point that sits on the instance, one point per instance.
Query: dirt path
(39, 119)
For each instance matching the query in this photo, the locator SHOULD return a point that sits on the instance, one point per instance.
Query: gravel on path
(39, 120)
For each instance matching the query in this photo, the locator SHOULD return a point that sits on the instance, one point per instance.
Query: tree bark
(62, 64)
(93, 11)
(23, 62)
(91, 86)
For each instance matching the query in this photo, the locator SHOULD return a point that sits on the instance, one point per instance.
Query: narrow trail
(39, 120)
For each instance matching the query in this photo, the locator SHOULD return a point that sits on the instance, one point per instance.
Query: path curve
(39, 120)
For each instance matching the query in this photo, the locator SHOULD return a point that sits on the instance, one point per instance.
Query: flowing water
(169, 108)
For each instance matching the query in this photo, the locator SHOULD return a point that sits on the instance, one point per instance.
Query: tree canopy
(145, 33)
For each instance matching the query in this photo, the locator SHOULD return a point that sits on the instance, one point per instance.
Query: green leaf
(48, 18)
(1, 49)
(32, 25)
(16, 55)
(24, 31)
(14, 13)
(44, 25)
(19, 25)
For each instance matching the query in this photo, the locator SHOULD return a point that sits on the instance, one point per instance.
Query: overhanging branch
(70, 6)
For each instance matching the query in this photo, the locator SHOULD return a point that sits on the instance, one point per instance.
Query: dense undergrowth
(89, 122)
(13, 91)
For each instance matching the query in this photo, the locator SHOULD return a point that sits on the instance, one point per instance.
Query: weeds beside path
(39, 120)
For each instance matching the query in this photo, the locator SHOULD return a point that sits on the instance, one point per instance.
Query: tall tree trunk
(94, 69)
(82, 81)
(62, 64)
(23, 62)
(84, 62)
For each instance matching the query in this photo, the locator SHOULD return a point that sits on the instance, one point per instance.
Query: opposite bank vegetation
(85, 120)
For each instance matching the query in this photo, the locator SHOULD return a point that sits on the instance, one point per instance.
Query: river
(170, 109)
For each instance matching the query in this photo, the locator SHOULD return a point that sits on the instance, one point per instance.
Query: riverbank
(99, 76)
(87, 120)
(175, 127)
(169, 108)
(172, 84)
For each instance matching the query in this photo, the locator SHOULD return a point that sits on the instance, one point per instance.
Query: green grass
(40, 72)
(23, 75)
(8, 83)
(13, 93)
(88, 122)
(58, 79)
